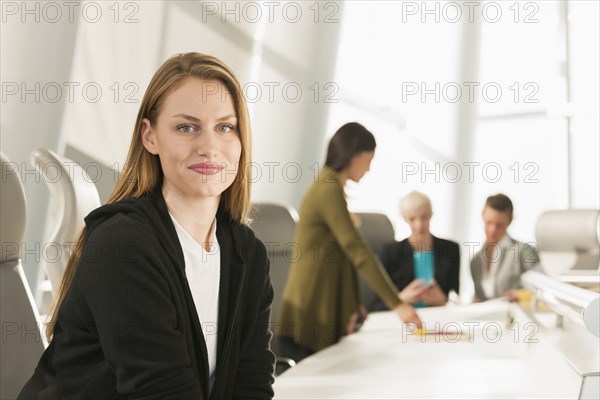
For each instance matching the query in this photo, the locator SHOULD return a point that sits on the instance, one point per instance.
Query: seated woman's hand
(412, 292)
(433, 295)
(512, 295)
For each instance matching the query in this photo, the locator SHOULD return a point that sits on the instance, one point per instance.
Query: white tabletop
(478, 356)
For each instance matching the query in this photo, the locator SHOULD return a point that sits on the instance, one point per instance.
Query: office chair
(275, 225)
(569, 240)
(378, 230)
(74, 195)
(22, 341)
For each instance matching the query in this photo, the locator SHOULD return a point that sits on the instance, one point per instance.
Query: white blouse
(203, 271)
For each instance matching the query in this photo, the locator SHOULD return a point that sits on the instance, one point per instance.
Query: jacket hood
(129, 206)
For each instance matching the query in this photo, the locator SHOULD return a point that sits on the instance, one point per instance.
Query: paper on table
(447, 319)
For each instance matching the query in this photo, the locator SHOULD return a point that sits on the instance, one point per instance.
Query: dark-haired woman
(321, 299)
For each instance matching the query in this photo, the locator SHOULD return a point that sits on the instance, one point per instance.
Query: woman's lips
(206, 168)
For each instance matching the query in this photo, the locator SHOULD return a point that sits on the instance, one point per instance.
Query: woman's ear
(148, 138)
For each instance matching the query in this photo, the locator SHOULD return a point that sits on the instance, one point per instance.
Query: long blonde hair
(142, 172)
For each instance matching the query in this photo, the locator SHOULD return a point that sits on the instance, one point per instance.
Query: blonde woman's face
(418, 219)
(196, 138)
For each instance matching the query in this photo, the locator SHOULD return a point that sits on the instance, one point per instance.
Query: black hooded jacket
(128, 327)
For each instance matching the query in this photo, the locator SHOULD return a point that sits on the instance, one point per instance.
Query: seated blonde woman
(425, 268)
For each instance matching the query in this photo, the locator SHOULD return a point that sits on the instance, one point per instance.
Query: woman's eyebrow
(188, 117)
(194, 119)
(230, 116)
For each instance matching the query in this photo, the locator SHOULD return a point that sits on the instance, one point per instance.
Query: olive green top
(322, 290)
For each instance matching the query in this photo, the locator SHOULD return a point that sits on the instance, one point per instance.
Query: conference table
(491, 350)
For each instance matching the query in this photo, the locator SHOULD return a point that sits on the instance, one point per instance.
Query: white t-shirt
(488, 281)
(203, 271)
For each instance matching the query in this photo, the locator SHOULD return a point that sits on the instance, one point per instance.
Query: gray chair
(275, 225)
(22, 341)
(73, 195)
(568, 240)
(377, 230)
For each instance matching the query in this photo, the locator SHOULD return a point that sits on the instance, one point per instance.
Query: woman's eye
(226, 128)
(185, 128)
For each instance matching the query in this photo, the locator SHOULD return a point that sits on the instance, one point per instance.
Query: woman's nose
(206, 144)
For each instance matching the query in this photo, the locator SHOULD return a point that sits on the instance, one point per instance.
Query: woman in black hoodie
(167, 294)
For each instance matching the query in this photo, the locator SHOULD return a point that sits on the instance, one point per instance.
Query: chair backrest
(378, 230)
(22, 343)
(275, 225)
(568, 240)
(74, 195)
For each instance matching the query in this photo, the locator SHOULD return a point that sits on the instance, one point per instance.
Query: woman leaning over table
(321, 298)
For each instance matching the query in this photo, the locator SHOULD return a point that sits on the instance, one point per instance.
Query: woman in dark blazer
(425, 268)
